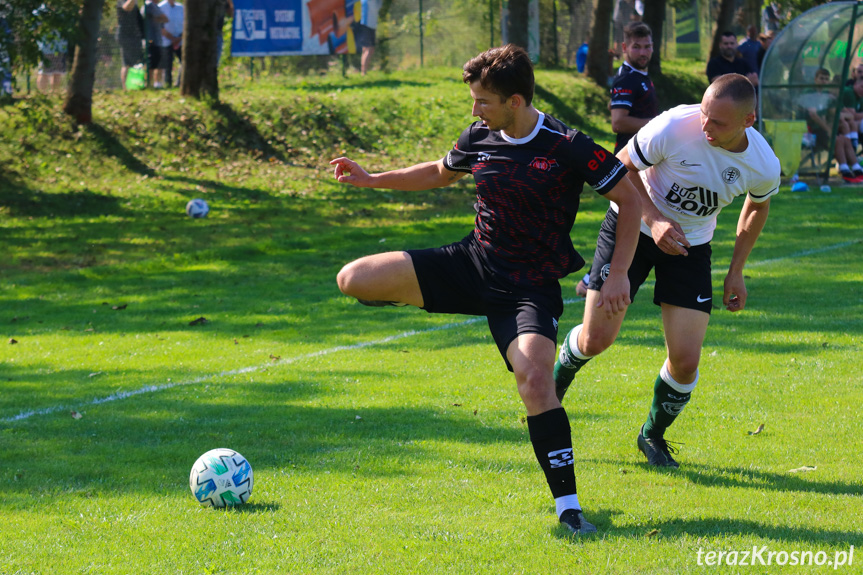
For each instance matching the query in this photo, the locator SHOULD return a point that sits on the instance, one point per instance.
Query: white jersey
(689, 180)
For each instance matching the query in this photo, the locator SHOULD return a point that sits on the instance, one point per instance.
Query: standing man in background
(365, 31)
(633, 97)
(154, 23)
(729, 61)
(130, 36)
(172, 39)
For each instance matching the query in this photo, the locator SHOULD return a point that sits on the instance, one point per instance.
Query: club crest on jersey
(543, 164)
(605, 272)
(483, 157)
(730, 175)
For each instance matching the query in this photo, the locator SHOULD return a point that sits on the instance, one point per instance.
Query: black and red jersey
(633, 90)
(527, 195)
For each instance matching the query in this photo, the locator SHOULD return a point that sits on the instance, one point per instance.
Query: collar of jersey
(530, 136)
(625, 63)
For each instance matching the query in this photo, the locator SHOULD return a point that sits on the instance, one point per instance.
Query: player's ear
(516, 101)
(749, 120)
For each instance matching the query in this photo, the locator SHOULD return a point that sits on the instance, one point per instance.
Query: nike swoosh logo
(700, 299)
(683, 163)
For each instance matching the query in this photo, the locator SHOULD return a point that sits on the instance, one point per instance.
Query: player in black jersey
(529, 170)
(633, 97)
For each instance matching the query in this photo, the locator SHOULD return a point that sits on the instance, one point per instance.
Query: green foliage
(382, 440)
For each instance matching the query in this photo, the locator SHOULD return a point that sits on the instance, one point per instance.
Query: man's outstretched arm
(423, 176)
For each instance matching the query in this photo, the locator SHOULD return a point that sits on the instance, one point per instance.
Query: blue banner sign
(294, 27)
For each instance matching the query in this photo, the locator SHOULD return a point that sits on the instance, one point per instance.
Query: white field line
(160, 387)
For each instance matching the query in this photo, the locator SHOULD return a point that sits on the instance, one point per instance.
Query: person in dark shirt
(529, 170)
(130, 35)
(633, 97)
(748, 49)
(729, 61)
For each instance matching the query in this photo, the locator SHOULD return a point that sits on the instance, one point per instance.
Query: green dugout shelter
(828, 36)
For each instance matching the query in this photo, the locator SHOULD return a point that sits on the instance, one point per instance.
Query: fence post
(421, 33)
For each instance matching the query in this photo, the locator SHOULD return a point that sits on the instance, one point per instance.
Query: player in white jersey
(688, 163)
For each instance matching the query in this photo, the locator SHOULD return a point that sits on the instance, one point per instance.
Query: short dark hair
(505, 70)
(734, 86)
(636, 30)
(729, 33)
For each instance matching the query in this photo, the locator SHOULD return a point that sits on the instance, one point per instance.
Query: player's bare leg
(595, 334)
(382, 279)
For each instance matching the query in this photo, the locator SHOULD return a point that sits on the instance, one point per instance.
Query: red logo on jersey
(543, 164)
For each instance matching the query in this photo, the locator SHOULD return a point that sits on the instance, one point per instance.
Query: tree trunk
(750, 14)
(518, 16)
(79, 92)
(200, 33)
(723, 22)
(598, 65)
(654, 16)
(579, 27)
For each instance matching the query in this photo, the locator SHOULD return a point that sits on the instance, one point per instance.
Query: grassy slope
(406, 456)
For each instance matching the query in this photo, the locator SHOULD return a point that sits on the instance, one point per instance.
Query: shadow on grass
(252, 508)
(709, 527)
(746, 478)
(390, 84)
(110, 146)
(146, 445)
(560, 109)
(22, 201)
(236, 124)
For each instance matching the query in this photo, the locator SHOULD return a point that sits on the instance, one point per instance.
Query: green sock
(667, 405)
(568, 363)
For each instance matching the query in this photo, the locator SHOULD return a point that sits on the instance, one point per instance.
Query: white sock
(843, 167)
(573, 342)
(565, 502)
(665, 374)
(856, 166)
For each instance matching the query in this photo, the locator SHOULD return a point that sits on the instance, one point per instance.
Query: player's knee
(684, 367)
(591, 344)
(534, 386)
(349, 280)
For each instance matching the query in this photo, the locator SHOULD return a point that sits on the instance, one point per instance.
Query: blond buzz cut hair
(736, 87)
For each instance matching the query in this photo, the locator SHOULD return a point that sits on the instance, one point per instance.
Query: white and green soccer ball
(221, 478)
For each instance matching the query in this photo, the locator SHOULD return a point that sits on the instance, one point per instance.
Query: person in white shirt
(688, 163)
(171, 42)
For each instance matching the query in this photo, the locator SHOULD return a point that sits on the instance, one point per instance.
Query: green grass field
(382, 440)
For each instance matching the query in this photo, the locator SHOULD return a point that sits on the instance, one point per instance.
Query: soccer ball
(221, 478)
(197, 208)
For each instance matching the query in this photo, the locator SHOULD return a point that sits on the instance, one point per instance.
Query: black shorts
(364, 37)
(684, 281)
(453, 279)
(131, 51)
(53, 63)
(154, 54)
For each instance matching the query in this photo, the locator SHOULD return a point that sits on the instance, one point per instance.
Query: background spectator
(154, 21)
(750, 46)
(729, 61)
(172, 39)
(130, 36)
(365, 31)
